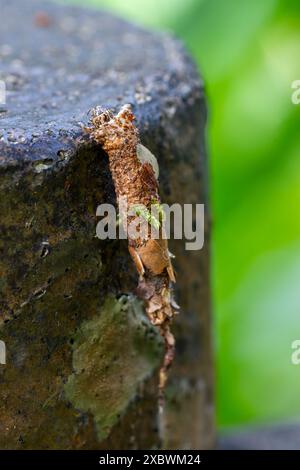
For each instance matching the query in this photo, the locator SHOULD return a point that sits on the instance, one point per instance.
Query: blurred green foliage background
(248, 52)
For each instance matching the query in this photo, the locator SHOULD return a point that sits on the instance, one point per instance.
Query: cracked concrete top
(58, 62)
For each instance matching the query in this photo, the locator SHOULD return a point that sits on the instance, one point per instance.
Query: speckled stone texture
(82, 359)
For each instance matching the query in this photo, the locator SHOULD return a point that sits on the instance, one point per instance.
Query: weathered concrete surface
(59, 285)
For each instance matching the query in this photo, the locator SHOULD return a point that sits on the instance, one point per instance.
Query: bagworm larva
(134, 171)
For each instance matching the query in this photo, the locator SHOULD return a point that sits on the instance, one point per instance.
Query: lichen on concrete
(113, 354)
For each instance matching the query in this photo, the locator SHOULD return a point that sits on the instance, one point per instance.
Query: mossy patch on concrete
(113, 354)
